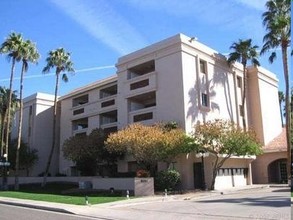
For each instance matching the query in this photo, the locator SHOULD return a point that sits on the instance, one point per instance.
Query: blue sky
(98, 32)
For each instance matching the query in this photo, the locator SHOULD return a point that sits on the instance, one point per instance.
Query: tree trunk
(288, 111)
(214, 173)
(281, 113)
(16, 186)
(244, 97)
(9, 108)
(54, 131)
(3, 125)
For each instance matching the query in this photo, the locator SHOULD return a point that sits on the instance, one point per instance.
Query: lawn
(62, 193)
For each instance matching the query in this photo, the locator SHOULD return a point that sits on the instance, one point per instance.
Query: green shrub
(167, 179)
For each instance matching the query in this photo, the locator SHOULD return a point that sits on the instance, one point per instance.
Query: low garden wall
(139, 186)
(136, 186)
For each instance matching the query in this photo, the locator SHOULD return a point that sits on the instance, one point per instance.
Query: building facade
(37, 129)
(177, 79)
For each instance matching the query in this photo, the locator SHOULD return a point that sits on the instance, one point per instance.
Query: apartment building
(177, 79)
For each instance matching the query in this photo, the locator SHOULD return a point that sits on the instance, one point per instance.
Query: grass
(62, 193)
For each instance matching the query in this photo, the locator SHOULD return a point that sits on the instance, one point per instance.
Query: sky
(98, 32)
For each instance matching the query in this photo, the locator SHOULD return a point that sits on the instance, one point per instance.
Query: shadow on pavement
(281, 190)
(268, 201)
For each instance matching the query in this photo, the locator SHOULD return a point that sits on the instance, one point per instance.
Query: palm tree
(277, 21)
(243, 52)
(4, 96)
(29, 53)
(281, 100)
(60, 60)
(11, 47)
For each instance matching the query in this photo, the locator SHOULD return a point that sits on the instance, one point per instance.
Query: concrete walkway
(118, 210)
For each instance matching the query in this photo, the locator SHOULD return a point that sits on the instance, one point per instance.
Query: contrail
(52, 74)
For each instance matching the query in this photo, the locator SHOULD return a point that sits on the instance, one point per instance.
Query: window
(143, 117)
(239, 82)
(203, 66)
(78, 111)
(31, 110)
(139, 84)
(204, 100)
(108, 103)
(241, 110)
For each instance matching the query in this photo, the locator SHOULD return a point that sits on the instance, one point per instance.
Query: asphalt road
(263, 204)
(268, 204)
(9, 212)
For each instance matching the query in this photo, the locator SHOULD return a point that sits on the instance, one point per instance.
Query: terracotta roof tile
(279, 143)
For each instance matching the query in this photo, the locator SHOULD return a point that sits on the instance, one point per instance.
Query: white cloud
(242, 16)
(256, 4)
(53, 74)
(101, 21)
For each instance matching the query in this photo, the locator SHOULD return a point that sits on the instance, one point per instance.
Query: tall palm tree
(29, 53)
(277, 21)
(243, 51)
(4, 97)
(281, 100)
(60, 60)
(12, 47)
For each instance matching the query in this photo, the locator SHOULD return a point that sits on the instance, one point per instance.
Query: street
(267, 203)
(270, 203)
(8, 212)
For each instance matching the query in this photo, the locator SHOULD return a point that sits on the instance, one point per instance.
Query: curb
(46, 208)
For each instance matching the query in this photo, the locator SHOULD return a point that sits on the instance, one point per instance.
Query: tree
(281, 100)
(4, 97)
(223, 139)
(243, 51)
(11, 47)
(60, 60)
(277, 21)
(27, 157)
(150, 144)
(87, 151)
(28, 54)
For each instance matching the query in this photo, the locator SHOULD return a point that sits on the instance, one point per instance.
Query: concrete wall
(140, 186)
(28, 180)
(184, 164)
(260, 165)
(263, 101)
(37, 130)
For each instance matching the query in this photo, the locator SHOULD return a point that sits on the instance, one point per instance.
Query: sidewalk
(118, 210)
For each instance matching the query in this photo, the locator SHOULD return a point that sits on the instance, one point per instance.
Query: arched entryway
(277, 171)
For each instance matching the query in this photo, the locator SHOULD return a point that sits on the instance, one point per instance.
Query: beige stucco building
(177, 79)
(37, 129)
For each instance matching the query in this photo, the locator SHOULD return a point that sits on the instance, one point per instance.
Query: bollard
(127, 194)
(86, 200)
(166, 192)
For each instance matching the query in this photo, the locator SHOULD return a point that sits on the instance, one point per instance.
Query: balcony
(81, 100)
(80, 125)
(142, 101)
(141, 69)
(108, 118)
(108, 91)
